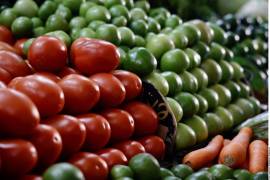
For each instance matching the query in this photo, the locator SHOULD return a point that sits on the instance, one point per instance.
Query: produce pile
(71, 80)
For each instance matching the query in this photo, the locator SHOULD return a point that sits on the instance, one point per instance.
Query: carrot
(257, 156)
(234, 154)
(201, 157)
(226, 142)
(245, 164)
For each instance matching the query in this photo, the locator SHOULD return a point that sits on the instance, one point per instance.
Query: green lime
(226, 117)
(62, 36)
(175, 60)
(203, 104)
(237, 113)
(227, 71)
(39, 31)
(7, 17)
(176, 108)
(256, 104)
(56, 22)
(159, 82)
(199, 127)
(127, 36)
(77, 22)
(63, 171)
(171, 178)
(234, 88)
(26, 45)
(201, 77)
(202, 49)
(260, 176)
(119, 171)
(159, 45)
(153, 25)
(244, 90)
(73, 5)
(211, 97)
(206, 32)
(22, 26)
(200, 175)
(137, 13)
(87, 32)
(182, 171)
(26, 8)
(64, 12)
(165, 173)
(139, 41)
(145, 167)
(213, 71)
(173, 21)
(179, 39)
(217, 52)
(190, 82)
(238, 71)
(174, 80)
(97, 13)
(192, 32)
(219, 34)
(246, 106)
(142, 4)
(95, 24)
(47, 9)
(221, 172)
(120, 21)
(214, 124)
(188, 102)
(139, 27)
(185, 137)
(194, 57)
(224, 94)
(110, 3)
(36, 22)
(119, 10)
(84, 7)
(242, 174)
(108, 32)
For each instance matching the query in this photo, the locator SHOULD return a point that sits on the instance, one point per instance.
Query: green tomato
(175, 82)
(129, 4)
(22, 26)
(73, 5)
(56, 22)
(190, 82)
(63, 36)
(120, 21)
(139, 27)
(161, 20)
(110, 3)
(77, 22)
(176, 108)
(194, 58)
(159, 82)
(139, 41)
(127, 36)
(97, 13)
(173, 21)
(201, 77)
(7, 17)
(119, 171)
(87, 32)
(137, 13)
(39, 31)
(64, 12)
(217, 52)
(26, 45)
(201, 48)
(179, 39)
(26, 8)
(159, 11)
(75, 33)
(84, 7)
(119, 10)
(142, 4)
(192, 32)
(188, 102)
(153, 25)
(95, 24)
(36, 22)
(47, 9)
(109, 33)
(219, 34)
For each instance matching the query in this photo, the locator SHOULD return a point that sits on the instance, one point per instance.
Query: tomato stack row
(51, 112)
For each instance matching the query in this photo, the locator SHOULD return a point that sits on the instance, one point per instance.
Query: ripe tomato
(81, 93)
(6, 35)
(6, 47)
(153, 145)
(30, 177)
(46, 94)
(14, 64)
(18, 157)
(131, 82)
(98, 131)
(130, 148)
(67, 71)
(48, 53)
(72, 131)
(121, 123)
(18, 114)
(92, 166)
(48, 143)
(92, 56)
(145, 118)
(113, 157)
(5, 76)
(112, 91)
(49, 75)
(19, 45)
(2, 85)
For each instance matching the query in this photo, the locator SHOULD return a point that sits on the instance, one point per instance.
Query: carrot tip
(228, 161)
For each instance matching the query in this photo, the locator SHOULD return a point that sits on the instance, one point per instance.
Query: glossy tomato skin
(130, 148)
(49, 75)
(19, 45)
(48, 143)
(81, 93)
(14, 64)
(121, 123)
(18, 157)
(90, 56)
(46, 94)
(6, 35)
(112, 91)
(131, 82)
(7, 47)
(98, 131)
(113, 157)
(18, 114)
(92, 166)
(71, 130)
(153, 145)
(30, 177)
(48, 53)
(5, 76)
(145, 118)
(67, 71)
(2, 85)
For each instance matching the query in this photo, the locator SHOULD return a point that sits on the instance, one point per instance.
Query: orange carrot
(226, 142)
(234, 154)
(201, 157)
(257, 156)
(246, 164)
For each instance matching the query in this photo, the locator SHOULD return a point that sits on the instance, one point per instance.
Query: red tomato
(130, 148)
(48, 53)
(67, 71)
(72, 131)
(92, 166)
(131, 81)
(46, 94)
(145, 118)
(98, 131)
(121, 123)
(112, 91)
(18, 157)
(48, 143)
(5, 76)
(2, 85)
(18, 114)
(6, 35)
(7, 47)
(92, 56)
(49, 75)
(14, 64)
(153, 145)
(113, 157)
(19, 45)
(30, 177)
(81, 93)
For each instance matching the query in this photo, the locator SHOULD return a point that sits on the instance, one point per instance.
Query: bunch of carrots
(235, 153)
